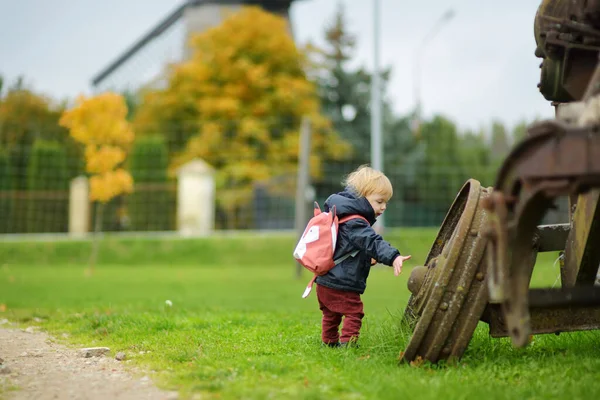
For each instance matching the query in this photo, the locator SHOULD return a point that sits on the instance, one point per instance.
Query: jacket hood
(348, 203)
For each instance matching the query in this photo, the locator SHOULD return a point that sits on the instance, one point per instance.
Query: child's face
(378, 202)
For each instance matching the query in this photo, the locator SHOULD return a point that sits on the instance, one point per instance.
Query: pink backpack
(316, 246)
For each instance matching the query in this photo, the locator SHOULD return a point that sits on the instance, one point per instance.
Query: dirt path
(34, 367)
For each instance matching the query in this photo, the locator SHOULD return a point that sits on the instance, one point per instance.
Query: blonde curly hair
(365, 181)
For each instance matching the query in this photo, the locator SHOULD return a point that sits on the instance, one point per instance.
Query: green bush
(6, 198)
(47, 183)
(151, 206)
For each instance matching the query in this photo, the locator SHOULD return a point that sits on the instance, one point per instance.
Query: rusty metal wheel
(449, 293)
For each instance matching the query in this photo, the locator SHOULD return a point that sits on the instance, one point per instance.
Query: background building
(166, 43)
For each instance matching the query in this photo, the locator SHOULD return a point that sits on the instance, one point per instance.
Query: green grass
(239, 329)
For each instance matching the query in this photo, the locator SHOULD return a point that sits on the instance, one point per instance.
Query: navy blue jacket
(356, 234)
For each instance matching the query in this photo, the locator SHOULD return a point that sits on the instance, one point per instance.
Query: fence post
(79, 206)
(302, 184)
(195, 198)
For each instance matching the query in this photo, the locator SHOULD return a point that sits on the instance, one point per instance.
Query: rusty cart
(480, 265)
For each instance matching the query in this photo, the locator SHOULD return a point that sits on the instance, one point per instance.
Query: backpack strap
(355, 252)
(309, 287)
(342, 258)
(353, 216)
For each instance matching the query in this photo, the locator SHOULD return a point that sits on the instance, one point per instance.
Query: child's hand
(373, 261)
(398, 261)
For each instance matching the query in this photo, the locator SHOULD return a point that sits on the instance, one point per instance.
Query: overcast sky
(479, 67)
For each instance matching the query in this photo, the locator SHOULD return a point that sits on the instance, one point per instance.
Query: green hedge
(47, 184)
(6, 200)
(151, 206)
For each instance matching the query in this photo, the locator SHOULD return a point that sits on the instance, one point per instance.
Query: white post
(79, 206)
(195, 199)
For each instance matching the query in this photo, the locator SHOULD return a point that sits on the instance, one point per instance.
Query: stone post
(195, 198)
(79, 206)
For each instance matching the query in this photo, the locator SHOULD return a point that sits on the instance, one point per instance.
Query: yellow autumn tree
(99, 123)
(238, 103)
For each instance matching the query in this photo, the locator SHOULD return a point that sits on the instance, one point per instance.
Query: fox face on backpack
(316, 246)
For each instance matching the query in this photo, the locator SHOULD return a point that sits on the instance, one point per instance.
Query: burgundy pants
(336, 304)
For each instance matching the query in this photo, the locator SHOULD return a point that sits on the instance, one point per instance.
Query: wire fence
(36, 195)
